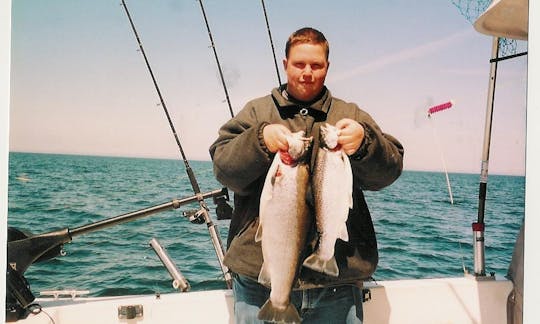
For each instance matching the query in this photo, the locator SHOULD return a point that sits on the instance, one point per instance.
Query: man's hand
(275, 137)
(351, 135)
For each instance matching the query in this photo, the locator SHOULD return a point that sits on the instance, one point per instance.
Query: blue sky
(80, 86)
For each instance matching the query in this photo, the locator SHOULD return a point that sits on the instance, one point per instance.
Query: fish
(332, 185)
(283, 225)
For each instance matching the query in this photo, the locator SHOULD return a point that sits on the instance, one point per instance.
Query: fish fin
(314, 262)
(344, 234)
(258, 234)
(348, 179)
(264, 276)
(272, 314)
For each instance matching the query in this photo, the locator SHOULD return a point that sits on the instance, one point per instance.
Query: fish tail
(271, 313)
(264, 276)
(344, 233)
(315, 262)
(258, 234)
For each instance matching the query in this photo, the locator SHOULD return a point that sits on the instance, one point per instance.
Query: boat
(472, 298)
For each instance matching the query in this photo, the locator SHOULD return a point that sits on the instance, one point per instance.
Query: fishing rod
(217, 59)
(202, 215)
(271, 42)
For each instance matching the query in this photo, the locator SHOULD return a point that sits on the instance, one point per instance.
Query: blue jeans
(341, 304)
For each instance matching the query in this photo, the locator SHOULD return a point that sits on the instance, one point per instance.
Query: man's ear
(285, 63)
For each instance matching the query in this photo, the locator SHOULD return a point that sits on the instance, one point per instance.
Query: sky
(79, 85)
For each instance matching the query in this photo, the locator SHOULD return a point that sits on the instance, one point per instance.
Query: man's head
(307, 35)
(306, 63)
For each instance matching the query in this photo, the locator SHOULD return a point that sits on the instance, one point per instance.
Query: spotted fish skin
(283, 226)
(332, 192)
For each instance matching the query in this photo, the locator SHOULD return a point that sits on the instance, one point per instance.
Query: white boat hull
(446, 300)
(432, 301)
(215, 306)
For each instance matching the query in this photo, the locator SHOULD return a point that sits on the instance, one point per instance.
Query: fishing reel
(195, 216)
(223, 209)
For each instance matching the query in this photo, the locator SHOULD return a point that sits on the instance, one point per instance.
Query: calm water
(420, 234)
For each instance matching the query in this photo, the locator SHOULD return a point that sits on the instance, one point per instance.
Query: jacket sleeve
(379, 160)
(239, 154)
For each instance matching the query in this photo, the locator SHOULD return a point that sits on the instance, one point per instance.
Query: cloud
(403, 55)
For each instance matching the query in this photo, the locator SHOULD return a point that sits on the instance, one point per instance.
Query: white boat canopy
(505, 18)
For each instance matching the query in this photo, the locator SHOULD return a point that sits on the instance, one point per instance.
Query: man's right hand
(275, 137)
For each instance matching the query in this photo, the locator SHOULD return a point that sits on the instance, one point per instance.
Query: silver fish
(283, 226)
(332, 191)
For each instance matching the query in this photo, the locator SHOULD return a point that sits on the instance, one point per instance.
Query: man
(242, 155)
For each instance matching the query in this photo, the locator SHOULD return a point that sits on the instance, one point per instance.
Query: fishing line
(203, 215)
(465, 272)
(217, 59)
(35, 309)
(271, 42)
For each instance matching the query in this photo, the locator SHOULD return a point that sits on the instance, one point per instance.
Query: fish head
(298, 145)
(329, 136)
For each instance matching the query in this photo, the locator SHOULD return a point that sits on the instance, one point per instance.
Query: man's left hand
(351, 135)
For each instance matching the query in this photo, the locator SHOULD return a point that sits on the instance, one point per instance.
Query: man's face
(306, 70)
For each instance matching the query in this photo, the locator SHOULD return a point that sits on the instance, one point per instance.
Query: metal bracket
(130, 311)
(366, 295)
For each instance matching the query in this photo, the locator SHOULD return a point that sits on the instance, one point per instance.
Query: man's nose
(307, 74)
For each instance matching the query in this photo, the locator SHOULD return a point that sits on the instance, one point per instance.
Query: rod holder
(179, 281)
(478, 245)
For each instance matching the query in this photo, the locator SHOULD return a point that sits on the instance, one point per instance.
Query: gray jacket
(241, 161)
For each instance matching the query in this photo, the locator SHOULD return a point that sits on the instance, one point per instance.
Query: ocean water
(420, 233)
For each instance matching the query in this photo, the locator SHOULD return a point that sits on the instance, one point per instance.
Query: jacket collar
(289, 106)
